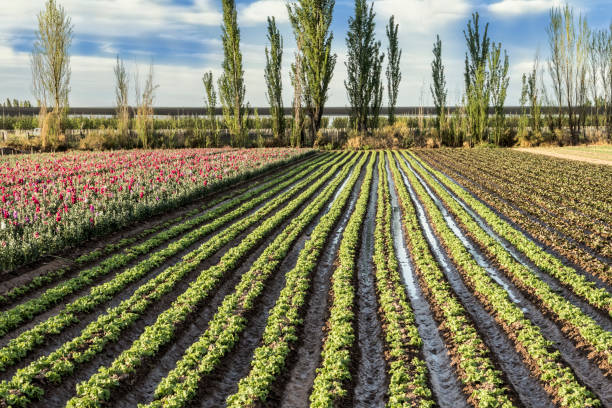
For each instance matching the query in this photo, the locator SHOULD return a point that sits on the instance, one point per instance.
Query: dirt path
(567, 156)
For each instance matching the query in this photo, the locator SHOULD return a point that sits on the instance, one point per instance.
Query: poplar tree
(231, 83)
(211, 105)
(50, 63)
(477, 77)
(274, 58)
(297, 131)
(498, 85)
(394, 75)
(438, 87)
(363, 66)
(311, 22)
(568, 41)
(121, 97)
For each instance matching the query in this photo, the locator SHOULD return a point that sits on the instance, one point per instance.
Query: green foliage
(393, 72)
(477, 79)
(363, 66)
(438, 87)
(311, 21)
(272, 74)
(231, 83)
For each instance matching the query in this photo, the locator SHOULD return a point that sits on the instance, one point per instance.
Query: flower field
(52, 201)
(429, 278)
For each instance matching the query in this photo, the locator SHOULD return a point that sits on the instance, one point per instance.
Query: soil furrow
(234, 366)
(301, 371)
(586, 370)
(60, 394)
(591, 277)
(445, 384)
(600, 317)
(528, 388)
(370, 379)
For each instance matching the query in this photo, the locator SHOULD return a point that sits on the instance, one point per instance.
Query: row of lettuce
(559, 226)
(224, 329)
(580, 327)
(539, 354)
(320, 186)
(23, 387)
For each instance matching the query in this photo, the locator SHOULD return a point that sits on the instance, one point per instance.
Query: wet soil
(586, 370)
(444, 381)
(370, 377)
(529, 390)
(599, 316)
(236, 365)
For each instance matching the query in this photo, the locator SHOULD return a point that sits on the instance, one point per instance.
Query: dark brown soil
(529, 390)
(371, 382)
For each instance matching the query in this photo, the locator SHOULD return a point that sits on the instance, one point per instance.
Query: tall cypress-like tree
(363, 66)
(311, 21)
(394, 74)
(438, 87)
(50, 63)
(231, 83)
(274, 58)
(211, 105)
(498, 84)
(297, 130)
(477, 77)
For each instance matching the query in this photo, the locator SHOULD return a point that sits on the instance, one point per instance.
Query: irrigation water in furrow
(55, 341)
(587, 371)
(300, 376)
(590, 276)
(444, 382)
(529, 390)
(599, 316)
(236, 365)
(150, 375)
(370, 380)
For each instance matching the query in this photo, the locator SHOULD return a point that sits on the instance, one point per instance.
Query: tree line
(578, 69)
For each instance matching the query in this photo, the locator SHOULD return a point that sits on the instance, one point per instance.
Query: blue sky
(182, 38)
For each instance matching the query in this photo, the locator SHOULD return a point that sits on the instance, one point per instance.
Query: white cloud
(514, 8)
(115, 17)
(258, 11)
(421, 16)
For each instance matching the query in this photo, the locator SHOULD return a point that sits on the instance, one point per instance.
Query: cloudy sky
(182, 38)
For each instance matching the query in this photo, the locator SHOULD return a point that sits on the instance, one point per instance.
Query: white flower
(3, 225)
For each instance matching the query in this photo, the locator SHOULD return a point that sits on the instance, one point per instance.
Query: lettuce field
(295, 278)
